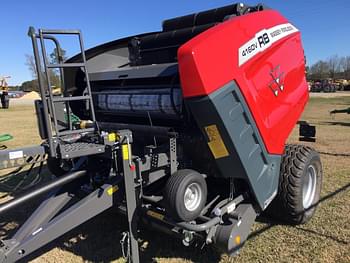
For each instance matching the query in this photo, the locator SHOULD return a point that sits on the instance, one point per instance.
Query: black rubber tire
(288, 204)
(174, 192)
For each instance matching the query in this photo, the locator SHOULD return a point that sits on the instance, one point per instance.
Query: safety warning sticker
(216, 144)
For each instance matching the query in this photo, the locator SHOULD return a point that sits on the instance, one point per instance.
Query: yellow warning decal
(112, 137)
(112, 190)
(216, 144)
(155, 215)
(125, 150)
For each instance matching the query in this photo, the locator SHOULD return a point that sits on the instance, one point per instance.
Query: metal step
(78, 149)
(74, 132)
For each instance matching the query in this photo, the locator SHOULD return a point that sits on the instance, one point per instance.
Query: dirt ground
(326, 238)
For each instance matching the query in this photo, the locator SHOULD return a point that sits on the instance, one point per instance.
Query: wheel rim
(192, 197)
(309, 186)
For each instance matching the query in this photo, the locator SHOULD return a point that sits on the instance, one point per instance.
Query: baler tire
(174, 194)
(288, 205)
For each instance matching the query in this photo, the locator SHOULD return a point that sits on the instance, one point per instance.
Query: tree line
(335, 67)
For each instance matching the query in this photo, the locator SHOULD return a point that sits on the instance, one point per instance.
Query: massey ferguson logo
(277, 83)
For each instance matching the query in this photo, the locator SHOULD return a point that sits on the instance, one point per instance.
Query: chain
(125, 239)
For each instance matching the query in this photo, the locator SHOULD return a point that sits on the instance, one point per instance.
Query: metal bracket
(23, 156)
(307, 132)
(173, 155)
(132, 197)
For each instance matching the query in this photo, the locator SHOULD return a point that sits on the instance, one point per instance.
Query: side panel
(233, 138)
(262, 52)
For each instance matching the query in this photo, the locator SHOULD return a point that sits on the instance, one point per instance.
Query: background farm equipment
(170, 130)
(324, 85)
(341, 84)
(4, 96)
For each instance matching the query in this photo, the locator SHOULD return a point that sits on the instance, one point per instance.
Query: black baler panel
(161, 47)
(202, 18)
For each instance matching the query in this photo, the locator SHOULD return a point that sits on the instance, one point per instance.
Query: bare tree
(53, 73)
(319, 70)
(334, 67)
(341, 64)
(333, 64)
(346, 67)
(30, 63)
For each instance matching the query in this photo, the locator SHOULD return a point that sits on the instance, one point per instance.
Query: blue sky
(325, 25)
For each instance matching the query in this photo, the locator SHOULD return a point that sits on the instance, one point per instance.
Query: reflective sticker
(37, 231)
(263, 40)
(112, 190)
(238, 240)
(231, 208)
(155, 215)
(15, 155)
(216, 144)
(125, 151)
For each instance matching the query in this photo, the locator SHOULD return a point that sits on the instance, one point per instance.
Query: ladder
(49, 101)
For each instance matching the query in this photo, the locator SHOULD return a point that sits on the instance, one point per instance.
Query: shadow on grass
(335, 154)
(19, 180)
(271, 223)
(98, 239)
(323, 235)
(14, 184)
(341, 123)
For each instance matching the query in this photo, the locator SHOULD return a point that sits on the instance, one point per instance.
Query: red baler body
(212, 59)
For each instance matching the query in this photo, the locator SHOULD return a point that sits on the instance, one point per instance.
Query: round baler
(184, 129)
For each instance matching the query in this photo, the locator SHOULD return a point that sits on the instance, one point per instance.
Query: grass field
(326, 238)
